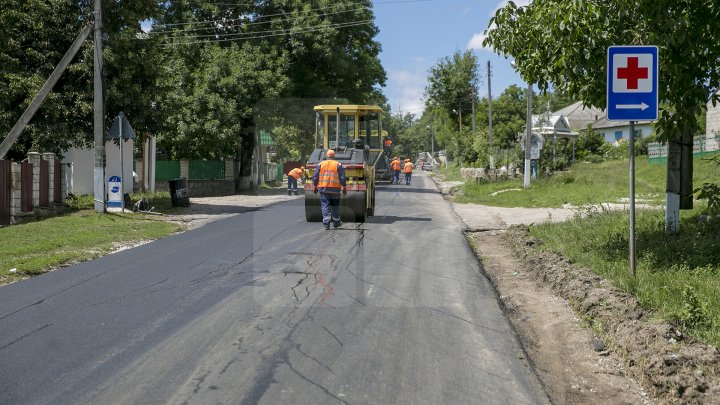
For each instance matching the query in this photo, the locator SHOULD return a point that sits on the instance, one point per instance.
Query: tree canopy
(564, 43)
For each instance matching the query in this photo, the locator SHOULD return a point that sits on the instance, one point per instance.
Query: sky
(416, 34)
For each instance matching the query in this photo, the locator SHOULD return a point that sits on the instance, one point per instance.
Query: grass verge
(40, 246)
(585, 184)
(678, 277)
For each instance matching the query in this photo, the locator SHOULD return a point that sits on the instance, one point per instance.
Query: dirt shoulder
(570, 359)
(589, 342)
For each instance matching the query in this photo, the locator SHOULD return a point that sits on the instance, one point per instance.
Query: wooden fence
(26, 186)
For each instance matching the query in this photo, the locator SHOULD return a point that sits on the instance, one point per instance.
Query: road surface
(266, 308)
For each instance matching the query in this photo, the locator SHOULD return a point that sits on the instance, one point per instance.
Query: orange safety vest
(296, 173)
(408, 167)
(329, 177)
(395, 164)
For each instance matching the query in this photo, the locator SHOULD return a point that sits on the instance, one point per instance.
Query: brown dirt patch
(571, 362)
(671, 366)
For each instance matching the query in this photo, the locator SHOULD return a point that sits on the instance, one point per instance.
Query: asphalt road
(266, 308)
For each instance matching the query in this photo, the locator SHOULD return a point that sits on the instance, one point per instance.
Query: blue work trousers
(330, 205)
(396, 177)
(292, 185)
(408, 177)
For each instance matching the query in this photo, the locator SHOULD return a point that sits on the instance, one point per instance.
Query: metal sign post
(631, 145)
(632, 95)
(122, 130)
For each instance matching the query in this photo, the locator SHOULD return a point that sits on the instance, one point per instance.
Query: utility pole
(99, 113)
(30, 111)
(490, 141)
(473, 114)
(528, 137)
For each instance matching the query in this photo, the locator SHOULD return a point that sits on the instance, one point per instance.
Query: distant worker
(329, 179)
(408, 169)
(395, 166)
(294, 176)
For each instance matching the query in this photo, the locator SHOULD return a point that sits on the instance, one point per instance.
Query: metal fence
(702, 146)
(206, 170)
(167, 169)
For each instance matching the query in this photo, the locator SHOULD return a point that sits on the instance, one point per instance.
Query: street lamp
(528, 133)
(459, 114)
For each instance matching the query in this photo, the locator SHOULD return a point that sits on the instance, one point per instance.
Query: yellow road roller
(354, 132)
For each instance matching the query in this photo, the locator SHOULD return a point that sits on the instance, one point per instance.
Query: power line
(253, 34)
(285, 32)
(261, 16)
(285, 13)
(253, 23)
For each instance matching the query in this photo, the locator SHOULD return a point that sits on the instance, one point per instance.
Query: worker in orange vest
(395, 166)
(329, 180)
(408, 169)
(294, 176)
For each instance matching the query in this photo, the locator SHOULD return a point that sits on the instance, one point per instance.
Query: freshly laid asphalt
(265, 308)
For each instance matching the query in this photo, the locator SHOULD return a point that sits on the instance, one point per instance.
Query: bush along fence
(702, 146)
(205, 178)
(30, 188)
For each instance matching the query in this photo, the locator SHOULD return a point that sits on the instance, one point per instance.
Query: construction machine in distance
(355, 133)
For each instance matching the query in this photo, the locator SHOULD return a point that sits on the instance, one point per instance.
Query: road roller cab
(352, 131)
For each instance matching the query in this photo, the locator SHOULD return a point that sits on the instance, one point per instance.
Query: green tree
(284, 49)
(453, 83)
(452, 87)
(564, 43)
(36, 34)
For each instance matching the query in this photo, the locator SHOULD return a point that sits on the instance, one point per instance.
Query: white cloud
(503, 3)
(477, 39)
(407, 90)
(476, 42)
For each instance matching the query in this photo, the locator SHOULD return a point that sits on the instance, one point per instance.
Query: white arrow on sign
(641, 106)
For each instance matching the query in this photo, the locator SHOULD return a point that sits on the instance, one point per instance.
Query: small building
(614, 131)
(579, 116)
(80, 167)
(553, 127)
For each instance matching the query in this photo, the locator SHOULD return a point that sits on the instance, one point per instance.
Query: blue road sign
(632, 83)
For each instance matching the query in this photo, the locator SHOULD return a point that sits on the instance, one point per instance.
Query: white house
(553, 127)
(579, 117)
(80, 167)
(613, 131)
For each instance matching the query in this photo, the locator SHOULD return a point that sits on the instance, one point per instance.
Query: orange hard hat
(395, 157)
(330, 153)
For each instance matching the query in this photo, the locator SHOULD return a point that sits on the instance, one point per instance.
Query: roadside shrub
(694, 313)
(559, 164)
(594, 158)
(710, 192)
(613, 152)
(590, 142)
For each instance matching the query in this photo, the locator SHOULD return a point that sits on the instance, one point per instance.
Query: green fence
(207, 169)
(167, 169)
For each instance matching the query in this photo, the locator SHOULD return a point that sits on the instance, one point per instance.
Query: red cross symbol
(632, 73)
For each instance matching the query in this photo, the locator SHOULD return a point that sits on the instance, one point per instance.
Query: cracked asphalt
(263, 307)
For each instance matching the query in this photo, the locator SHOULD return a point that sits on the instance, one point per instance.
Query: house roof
(603, 122)
(579, 116)
(552, 125)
